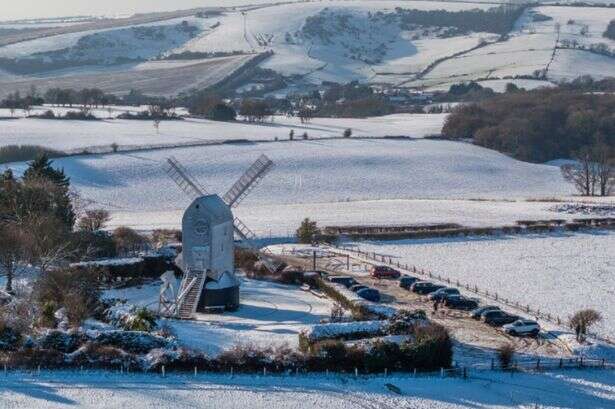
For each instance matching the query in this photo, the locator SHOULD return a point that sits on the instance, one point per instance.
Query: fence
(380, 258)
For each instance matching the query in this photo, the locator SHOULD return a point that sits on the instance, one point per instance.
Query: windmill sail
(182, 178)
(248, 181)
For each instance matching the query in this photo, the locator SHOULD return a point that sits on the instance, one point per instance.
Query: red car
(384, 272)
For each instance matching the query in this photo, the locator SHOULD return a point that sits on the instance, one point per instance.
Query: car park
(498, 318)
(355, 288)
(407, 281)
(346, 281)
(478, 313)
(443, 293)
(369, 294)
(522, 327)
(460, 302)
(384, 272)
(425, 287)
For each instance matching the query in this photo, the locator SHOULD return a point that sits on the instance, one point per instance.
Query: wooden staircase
(190, 292)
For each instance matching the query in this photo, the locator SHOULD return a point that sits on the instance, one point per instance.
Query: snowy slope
(318, 171)
(72, 135)
(557, 273)
(570, 389)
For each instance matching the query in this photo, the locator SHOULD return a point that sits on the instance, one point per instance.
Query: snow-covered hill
(316, 41)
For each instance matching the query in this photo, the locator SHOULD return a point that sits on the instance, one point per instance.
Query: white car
(522, 327)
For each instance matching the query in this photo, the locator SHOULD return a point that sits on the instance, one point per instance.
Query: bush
(582, 320)
(128, 241)
(506, 354)
(23, 153)
(76, 290)
(347, 133)
(432, 348)
(92, 245)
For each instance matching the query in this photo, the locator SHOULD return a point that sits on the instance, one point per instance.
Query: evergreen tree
(46, 190)
(41, 168)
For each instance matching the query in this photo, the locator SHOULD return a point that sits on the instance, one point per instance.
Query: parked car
(346, 281)
(355, 288)
(369, 294)
(384, 272)
(460, 302)
(443, 293)
(477, 313)
(425, 287)
(407, 281)
(522, 327)
(499, 318)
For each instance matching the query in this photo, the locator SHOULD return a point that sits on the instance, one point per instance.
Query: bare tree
(583, 174)
(583, 320)
(12, 252)
(94, 220)
(604, 159)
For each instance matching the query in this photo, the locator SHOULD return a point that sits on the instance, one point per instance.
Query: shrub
(337, 313)
(22, 153)
(506, 354)
(432, 348)
(582, 320)
(128, 241)
(76, 290)
(92, 245)
(9, 337)
(347, 133)
(47, 317)
(142, 320)
(245, 259)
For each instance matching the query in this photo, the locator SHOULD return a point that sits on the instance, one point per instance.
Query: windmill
(194, 286)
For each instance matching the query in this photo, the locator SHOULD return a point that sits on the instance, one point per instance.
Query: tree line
(499, 20)
(547, 124)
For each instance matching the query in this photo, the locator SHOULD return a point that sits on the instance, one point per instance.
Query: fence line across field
(380, 258)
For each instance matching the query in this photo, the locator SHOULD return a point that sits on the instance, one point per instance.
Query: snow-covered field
(270, 315)
(154, 78)
(570, 389)
(72, 135)
(359, 45)
(558, 273)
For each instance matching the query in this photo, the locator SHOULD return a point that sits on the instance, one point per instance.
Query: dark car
(370, 294)
(424, 287)
(355, 288)
(346, 281)
(407, 281)
(478, 312)
(459, 302)
(498, 318)
(384, 272)
(443, 293)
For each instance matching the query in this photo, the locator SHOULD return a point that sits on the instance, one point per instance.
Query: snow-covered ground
(558, 273)
(72, 135)
(570, 389)
(317, 171)
(270, 315)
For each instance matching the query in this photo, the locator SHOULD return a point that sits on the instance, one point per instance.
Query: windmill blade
(248, 181)
(182, 178)
(248, 237)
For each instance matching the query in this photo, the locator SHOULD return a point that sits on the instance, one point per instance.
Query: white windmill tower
(208, 230)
